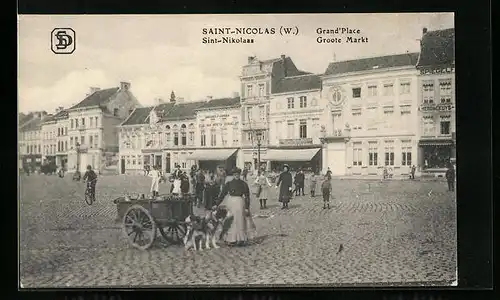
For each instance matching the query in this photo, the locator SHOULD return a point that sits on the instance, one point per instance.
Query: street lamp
(77, 147)
(259, 136)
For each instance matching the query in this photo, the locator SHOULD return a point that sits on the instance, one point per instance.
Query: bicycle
(89, 196)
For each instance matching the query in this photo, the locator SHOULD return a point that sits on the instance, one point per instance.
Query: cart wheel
(174, 232)
(139, 227)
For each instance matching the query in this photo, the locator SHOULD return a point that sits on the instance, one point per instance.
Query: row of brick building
(356, 118)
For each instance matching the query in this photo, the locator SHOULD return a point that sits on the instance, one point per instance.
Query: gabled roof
(138, 116)
(221, 103)
(163, 109)
(437, 48)
(48, 118)
(35, 124)
(97, 98)
(298, 83)
(23, 118)
(371, 63)
(182, 111)
(61, 115)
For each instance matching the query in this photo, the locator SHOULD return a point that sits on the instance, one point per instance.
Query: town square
(399, 232)
(271, 167)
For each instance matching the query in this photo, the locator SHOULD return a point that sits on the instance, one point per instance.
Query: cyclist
(91, 178)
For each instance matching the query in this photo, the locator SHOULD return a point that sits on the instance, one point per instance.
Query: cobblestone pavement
(391, 232)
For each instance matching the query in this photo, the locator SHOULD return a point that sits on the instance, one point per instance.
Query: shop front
(210, 159)
(435, 155)
(250, 159)
(299, 158)
(33, 161)
(152, 158)
(62, 161)
(50, 159)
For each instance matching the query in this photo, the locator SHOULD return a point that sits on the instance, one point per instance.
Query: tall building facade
(206, 133)
(296, 114)
(218, 122)
(93, 136)
(30, 139)
(258, 81)
(436, 87)
(55, 138)
(372, 108)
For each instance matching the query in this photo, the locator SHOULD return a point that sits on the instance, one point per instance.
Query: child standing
(313, 184)
(262, 184)
(326, 189)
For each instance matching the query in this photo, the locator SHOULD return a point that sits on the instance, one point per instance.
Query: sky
(158, 54)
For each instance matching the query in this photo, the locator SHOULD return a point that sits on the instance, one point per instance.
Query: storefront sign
(436, 107)
(217, 116)
(446, 70)
(295, 142)
(218, 124)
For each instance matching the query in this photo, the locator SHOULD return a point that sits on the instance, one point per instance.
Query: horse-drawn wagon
(141, 218)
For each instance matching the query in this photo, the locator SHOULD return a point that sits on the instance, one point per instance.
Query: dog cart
(142, 218)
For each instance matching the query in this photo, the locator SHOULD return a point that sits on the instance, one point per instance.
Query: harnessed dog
(205, 229)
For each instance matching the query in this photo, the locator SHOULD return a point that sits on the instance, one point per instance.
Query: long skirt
(241, 226)
(177, 186)
(155, 185)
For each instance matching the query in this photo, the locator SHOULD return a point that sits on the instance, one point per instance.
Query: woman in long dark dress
(285, 183)
(240, 225)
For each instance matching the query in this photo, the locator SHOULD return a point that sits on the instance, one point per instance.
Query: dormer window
(115, 112)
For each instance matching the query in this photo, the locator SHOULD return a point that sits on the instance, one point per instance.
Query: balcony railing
(336, 134)
(255, 99)
(437, 135)
(255, 125)
(296, 142)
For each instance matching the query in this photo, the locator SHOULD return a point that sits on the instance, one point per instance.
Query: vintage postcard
(237, 150)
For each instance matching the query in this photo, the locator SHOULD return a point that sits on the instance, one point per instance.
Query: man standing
(299, 183)
(413, 168)
(245, 173)
(450, 177)
(200, 187)
(285, 185)
(155, 182)
(329, 173)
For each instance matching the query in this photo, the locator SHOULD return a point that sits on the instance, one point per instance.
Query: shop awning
(212, 154)
(435, 142)
(291, 154)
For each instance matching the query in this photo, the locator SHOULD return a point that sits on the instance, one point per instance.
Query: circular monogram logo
(336, 96)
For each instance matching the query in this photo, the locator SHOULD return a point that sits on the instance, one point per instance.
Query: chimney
(93, 89)
(209, 98)
(283, 56)
(251, 59)
(424, 30)
(236, 94)
(124, 86)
